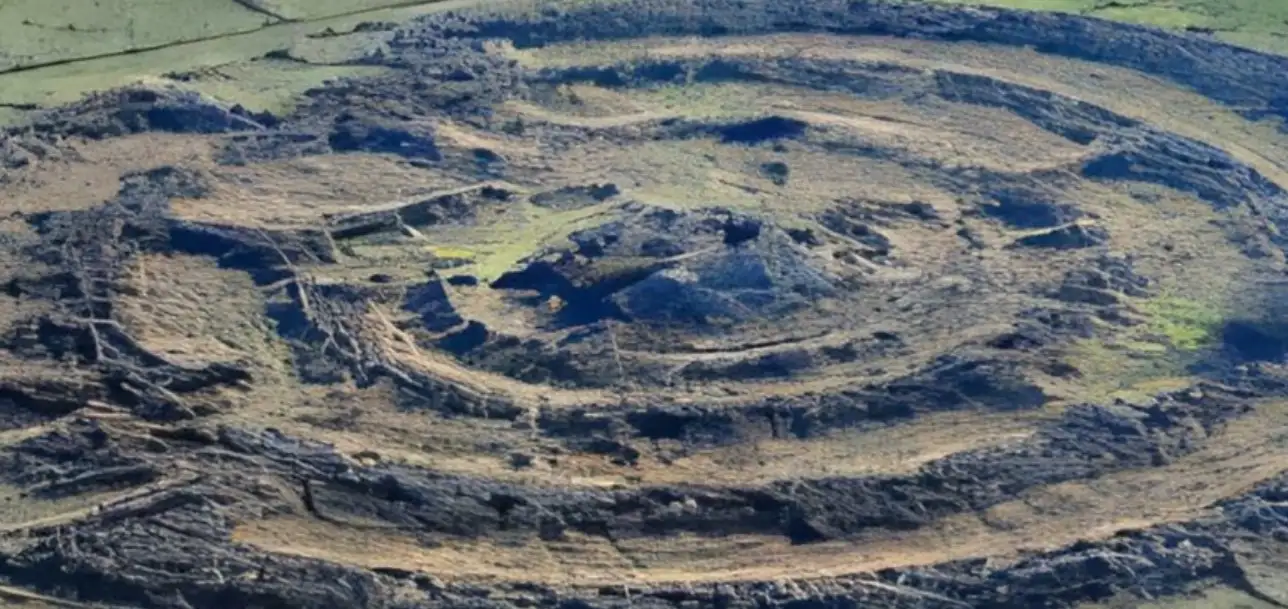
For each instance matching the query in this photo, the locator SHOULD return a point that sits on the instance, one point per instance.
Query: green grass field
(39, 32)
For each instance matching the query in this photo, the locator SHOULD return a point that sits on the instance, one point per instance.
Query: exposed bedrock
(1239, 77)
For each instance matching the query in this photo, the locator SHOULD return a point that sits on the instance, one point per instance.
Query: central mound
(658, 304)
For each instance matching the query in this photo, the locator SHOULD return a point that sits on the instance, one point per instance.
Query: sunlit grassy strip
(493, 250)
(1258, 24)
(273, 85)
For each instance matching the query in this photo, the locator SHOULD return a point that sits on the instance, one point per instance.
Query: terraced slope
(262, 53)
(660, 304)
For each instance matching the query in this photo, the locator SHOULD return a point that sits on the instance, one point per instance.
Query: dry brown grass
(194, 313)
(448, 445)
(950, 134)
(90, 173)
(297, 192)
(19, 511)
(1122, 90)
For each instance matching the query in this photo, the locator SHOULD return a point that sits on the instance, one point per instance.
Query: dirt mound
(661, 304)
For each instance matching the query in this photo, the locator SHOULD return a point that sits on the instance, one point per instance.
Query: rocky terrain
(724, 303)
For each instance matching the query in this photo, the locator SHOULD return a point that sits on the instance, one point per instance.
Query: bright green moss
(1185, 324)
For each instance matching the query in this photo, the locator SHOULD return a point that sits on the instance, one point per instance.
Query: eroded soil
(662, 304)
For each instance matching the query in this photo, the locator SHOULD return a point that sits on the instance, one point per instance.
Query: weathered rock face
(695, 270)
(761, 278)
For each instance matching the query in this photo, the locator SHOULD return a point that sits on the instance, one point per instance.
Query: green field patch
(1160, 16)
(451, 253)
(272, 85)
(500, 246)
(710, 100)
(1126, 369)
(233, 52)
(301, 10)
(35, 32)
(1137, 362)
(486, 250)
(9, 116)
(1185, 324)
